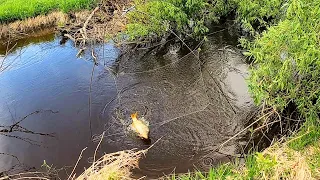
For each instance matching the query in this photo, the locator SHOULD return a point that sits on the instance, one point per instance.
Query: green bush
(261, 13)
(187, 17)
(286, 65)
(191, 17)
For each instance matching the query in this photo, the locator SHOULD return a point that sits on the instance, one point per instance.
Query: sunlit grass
(277, 162)
(11, 10)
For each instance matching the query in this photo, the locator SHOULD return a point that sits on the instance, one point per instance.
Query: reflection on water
(47, 78)
(193, 101)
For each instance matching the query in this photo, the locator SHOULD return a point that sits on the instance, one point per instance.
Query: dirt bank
(106, 20)
(26, 28)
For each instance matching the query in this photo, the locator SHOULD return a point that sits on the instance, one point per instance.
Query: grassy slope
(11, 10)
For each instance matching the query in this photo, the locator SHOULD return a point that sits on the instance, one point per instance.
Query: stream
(54, 104)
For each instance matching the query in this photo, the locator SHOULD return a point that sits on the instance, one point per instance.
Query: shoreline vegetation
(281, 40)
(12, 10)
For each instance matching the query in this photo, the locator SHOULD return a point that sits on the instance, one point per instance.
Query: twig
(90, 99)
(74, 168)
(80, 51)
(87, 21)
(28, 140)
(95, 152)
(269, 113)
(266, 125)
(70, 37)
(40, 178)
(154, 144)
(11, 156)
(279, 120)
(184, 44)
(6, 55)
(25, 117)
(95, 59)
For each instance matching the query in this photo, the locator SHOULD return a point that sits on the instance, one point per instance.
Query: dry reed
(290, 164)
(116, 165)
(21, 28)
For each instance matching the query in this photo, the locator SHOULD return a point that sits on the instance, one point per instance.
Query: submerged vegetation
(11, 10)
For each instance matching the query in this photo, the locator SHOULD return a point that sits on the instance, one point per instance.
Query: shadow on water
(45, 35)
(193, 101)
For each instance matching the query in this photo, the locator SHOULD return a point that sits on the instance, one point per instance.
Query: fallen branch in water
(8, 51)
(16, 127)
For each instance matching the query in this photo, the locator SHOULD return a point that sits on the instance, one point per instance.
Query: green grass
(11, 10)
(223, 171)
(277, 162)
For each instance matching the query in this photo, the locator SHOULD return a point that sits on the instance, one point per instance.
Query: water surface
(193, 101)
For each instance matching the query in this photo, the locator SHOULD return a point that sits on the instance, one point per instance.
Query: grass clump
(113, 166)
(11, 10)
(223, 171)
(276, 162)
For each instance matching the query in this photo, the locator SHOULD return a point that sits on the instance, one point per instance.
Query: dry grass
(288, 164)
(312, 154)
(113, 166)
(18, 29)
(116, 165)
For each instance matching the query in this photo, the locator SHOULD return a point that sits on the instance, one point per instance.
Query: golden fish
(139, 126)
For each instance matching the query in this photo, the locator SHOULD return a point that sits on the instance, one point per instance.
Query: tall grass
(11, 10)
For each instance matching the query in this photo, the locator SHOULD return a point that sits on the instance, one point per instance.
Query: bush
(286, 65)
(259, 14)
(187, 17)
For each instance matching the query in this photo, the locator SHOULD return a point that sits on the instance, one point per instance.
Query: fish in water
(139, 126)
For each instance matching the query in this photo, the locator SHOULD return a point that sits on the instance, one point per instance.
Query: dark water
(47, 77)
(193, 102)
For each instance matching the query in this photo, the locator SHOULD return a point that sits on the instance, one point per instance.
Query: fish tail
(134, 116)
